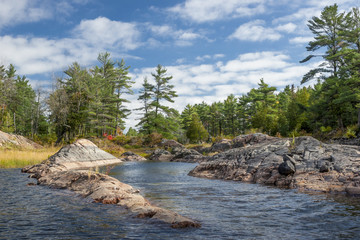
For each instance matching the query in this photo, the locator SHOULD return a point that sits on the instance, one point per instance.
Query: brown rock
(107, 190)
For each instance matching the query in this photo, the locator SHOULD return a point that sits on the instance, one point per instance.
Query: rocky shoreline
(303, 163)
(62, 171)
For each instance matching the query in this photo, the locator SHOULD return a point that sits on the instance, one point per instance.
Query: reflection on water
(226, 209)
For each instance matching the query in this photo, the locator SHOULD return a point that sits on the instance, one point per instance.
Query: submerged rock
(304, 164)
(61, 171)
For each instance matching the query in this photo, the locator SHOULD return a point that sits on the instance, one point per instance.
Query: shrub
(121, 139)
(351, 131)
(153, 139)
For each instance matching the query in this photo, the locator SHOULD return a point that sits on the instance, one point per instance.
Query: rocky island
(302, 163)
(63, 171)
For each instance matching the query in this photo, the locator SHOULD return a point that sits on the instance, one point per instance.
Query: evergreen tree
(196, 131)
(326, 30)
(146, 94)
(159, 117)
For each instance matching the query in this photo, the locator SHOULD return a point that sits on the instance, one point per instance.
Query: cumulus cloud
(14, 12)
(289, 27)
(42, 55)
(255, 31)
(212, 10)
(214, 82)
(104, 32)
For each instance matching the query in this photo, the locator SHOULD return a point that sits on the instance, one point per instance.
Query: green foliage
(90, 102)
(351, 131)
(196, 131)
(158, 117)
(121, 139)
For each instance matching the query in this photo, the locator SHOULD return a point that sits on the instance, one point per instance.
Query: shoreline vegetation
(21, 157)
(89, 102)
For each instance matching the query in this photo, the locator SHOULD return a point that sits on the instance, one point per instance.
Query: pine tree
(196, 131)
(146, 94)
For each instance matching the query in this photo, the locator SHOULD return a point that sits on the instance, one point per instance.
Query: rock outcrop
(7, 139)
(132, 157)
(304, 163)
(61, 171)
(80, 155)
(108, 190)
(177, 154)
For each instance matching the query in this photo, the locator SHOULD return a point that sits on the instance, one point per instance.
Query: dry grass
(18, 158)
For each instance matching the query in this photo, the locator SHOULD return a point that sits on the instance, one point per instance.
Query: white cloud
(255, 31)
(257, 61)
(19, 11)
(212, 10)
(179, 37)
(41, 55)
(289, 27)
(215, 81)
(301, 40)
(104, 32)
(209, 57)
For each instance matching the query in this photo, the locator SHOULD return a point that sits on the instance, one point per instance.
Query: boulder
(167, 144)
(250, 139)
(288, 166)
(304, 164)
(161, 155)
(132, 157)
(221, 146)
(186, 155)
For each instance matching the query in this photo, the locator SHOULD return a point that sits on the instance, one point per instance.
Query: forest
(91, 101)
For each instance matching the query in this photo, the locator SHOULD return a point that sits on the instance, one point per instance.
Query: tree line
(91, 102)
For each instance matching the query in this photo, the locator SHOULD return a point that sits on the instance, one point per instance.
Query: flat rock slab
(80, 155)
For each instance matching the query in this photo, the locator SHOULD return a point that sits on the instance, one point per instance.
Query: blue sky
(212, 48)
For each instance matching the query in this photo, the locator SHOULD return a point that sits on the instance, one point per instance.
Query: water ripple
(226, 209)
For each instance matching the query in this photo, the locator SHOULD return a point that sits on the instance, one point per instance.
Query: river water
(226, 209)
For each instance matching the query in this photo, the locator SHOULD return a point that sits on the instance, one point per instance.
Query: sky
(212, 48)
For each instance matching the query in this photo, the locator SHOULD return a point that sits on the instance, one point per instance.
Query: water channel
(226, 209)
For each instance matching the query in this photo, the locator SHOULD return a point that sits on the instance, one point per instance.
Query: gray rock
(304, 164)
(286, 168)
(171, 144)
(79, 155)
(58, 172)
(161, 155)
(132, 157)
(221, 146)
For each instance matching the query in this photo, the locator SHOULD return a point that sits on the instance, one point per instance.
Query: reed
(18, 158)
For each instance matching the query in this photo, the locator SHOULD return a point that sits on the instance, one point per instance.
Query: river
(226, 209)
